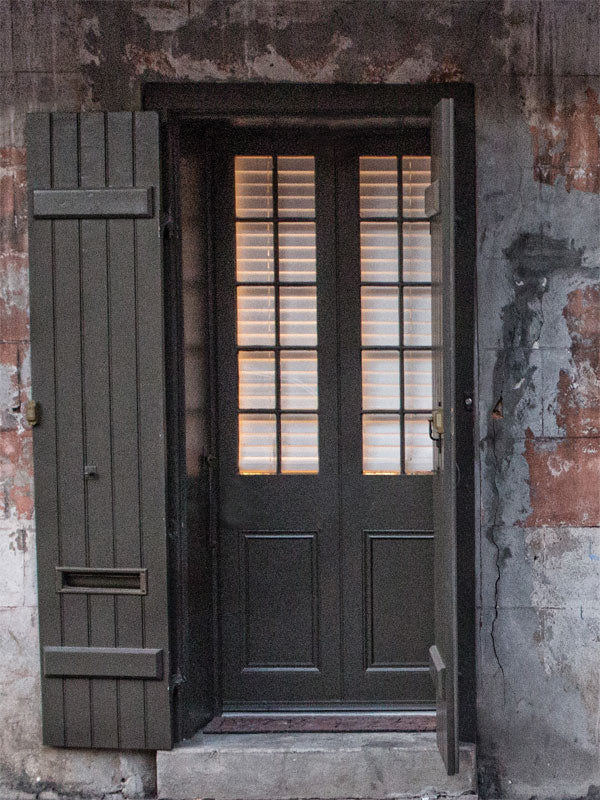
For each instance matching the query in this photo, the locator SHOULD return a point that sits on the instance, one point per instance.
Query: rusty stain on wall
(565, 472)
(566, 142)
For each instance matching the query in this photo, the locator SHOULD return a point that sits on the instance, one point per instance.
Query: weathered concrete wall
(536, 67)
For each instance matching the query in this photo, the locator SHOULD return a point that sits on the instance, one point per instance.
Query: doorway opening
(282, 621)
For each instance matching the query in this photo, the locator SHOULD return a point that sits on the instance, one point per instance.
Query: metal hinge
(210, 460)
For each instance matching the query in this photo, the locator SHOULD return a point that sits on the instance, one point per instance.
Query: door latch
(32, 413)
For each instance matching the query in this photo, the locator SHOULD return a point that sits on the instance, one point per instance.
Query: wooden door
(385, 391)
(324, 393)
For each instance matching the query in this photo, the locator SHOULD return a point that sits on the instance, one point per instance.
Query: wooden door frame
(339, 105)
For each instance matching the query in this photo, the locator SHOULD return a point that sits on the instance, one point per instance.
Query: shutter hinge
(32, 413)
(166, 222)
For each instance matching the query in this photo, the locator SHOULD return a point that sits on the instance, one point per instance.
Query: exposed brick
(566, 142)
(564, 476)
(14, 297)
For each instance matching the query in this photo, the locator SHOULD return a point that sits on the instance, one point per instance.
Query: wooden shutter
(99, 447)
(439, 201)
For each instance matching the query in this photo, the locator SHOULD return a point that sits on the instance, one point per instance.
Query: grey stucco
(536, 70)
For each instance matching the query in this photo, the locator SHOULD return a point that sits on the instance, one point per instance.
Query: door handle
(431, 436)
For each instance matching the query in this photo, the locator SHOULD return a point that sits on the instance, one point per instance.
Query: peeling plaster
(566, 142)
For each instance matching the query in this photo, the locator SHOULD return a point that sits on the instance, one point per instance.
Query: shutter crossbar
(93, 203)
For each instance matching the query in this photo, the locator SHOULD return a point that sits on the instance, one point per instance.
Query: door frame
(340, 105)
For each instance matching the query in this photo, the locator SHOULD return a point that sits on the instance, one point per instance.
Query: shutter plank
(151, 423)
(98, 373)
(41, 293)
(97, 405)
(69, 420)
(123, 369)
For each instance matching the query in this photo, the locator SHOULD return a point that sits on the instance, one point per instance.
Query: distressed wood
(444, 398)
(92, 203)
(98, 373)
(103, 662)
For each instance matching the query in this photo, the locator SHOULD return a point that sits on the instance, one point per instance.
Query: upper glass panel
(256, 370)
(378, 186)
(296, 186)
(380, 324)
(379, 252)
(416, 252)
(254, 252)
(416, 176)
(255, 315)
(254, 186)
(297, 252)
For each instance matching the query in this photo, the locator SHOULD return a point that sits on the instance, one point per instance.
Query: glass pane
(299, 443)
(299, 379)
(417, 380)
(416, 252)
(379, 251)
(254, 186)
(417, 316)
(381, 443)
(297, 252)
(381, 380)
(298, 316)
(257, 444)
(296, 186)
(416, 176)
(418, 453)
(379, 186)
(256, 315)
(379, 316)
(256, 379)
(254, 251)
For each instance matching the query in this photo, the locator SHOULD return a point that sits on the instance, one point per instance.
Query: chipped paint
(566, 143)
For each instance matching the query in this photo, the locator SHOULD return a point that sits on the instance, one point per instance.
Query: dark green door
(323, 299)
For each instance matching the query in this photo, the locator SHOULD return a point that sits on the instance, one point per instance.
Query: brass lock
(32, 413)
(438, 420)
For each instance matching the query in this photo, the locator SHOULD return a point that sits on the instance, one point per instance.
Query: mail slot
(87, 580)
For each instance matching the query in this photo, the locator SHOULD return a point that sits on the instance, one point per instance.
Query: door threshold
(303, 766)
(322, 723)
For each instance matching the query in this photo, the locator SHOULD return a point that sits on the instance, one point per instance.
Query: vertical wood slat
(69, 418)
(95, 324)
(41, 293)
(97, 332)
(124, 418)
(151, 421)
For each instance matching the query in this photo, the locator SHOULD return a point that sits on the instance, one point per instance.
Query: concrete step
(303, 766)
